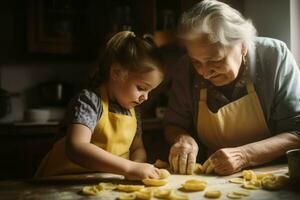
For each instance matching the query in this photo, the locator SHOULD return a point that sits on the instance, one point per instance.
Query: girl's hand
(139, 171)
(182, 157)
(227, 161)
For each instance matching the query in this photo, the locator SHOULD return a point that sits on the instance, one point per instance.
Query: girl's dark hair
(133, 53)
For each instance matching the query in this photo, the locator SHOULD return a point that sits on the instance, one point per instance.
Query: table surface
(68, 187)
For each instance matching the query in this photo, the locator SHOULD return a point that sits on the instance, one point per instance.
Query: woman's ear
(244, 50)
(117, 72)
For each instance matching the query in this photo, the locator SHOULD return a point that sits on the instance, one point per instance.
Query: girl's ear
(117, 72)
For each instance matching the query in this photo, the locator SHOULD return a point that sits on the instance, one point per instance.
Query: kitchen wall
(295, 29)
(19, 78)
(271, 18)
(278, 19)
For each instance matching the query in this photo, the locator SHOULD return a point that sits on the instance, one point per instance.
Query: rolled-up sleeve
(286, 104)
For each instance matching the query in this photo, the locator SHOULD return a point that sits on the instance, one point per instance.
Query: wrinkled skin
(227, 161)
(182, 157)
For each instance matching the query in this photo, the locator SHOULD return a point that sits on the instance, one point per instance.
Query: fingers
(191, 163)
(174, 163)
(208, 166)
(182, 158)
(205, 165)
(179, 163)
(227, 161)
(182, 163)
(155, 173)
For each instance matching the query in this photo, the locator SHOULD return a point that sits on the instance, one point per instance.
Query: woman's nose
(205, 72)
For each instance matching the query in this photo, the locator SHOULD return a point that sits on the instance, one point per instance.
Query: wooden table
(68, 187)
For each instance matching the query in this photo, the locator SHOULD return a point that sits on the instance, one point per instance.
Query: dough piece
(108, 186)
(237, 180)
(154, 182)
(274, 183)
(262, 175)
(242, 192)
(248, 175)
(250, 185)
(195, 181)
(162, 194)
(175, 196)
(127, 196)
(213, 194)
(144, 194)
(163, 173)
(194, 185)
(198, 168)
(129, 188)
(231, 195)
(161, 164)
(208, 167)
(92, 190)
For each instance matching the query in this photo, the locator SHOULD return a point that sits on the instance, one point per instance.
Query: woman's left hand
(227, 161)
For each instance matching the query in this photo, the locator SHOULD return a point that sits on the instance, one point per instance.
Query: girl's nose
(143, 97)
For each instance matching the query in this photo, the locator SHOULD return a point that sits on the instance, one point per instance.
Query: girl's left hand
(227, 161)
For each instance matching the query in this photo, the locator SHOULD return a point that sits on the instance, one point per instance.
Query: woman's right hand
(139, 171)
(183, 154)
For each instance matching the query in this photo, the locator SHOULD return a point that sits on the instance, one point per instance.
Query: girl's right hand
(139, 171)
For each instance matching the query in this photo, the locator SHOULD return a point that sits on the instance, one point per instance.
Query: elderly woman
(236, 94)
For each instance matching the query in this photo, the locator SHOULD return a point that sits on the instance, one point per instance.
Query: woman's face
(131, 89)
(213, 62)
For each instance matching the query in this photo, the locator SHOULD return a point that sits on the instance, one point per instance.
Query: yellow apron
(114, 133)
(237, 123)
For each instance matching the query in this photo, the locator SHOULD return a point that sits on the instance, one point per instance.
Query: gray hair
(219, 21)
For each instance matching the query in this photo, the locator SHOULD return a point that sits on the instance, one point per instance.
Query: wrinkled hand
(182, 157)
(227, 161)
(139, 171)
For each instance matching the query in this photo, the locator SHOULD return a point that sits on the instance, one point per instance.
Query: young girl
(105, 132)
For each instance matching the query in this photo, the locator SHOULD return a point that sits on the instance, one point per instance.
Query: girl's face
(217, 64)
(131, 89)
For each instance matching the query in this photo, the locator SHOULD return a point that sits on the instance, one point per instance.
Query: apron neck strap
(104, 96)
(250, 89)
(203, 94)
(250, 86)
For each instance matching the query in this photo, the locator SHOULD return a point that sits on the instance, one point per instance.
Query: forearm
(264, 151)
(138, 155)
(175, 134)
(92, 157)
(137, 150)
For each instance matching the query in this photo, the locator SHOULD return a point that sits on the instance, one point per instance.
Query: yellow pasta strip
(213, 194)
(154, 182)
(126, 196)
(237, 180)
(129, 188)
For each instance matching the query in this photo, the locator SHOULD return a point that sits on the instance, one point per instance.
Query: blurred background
(49, 48)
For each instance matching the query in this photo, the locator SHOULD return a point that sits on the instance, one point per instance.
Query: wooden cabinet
(63, 26)
(23, 147)
(80, 27)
